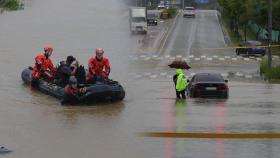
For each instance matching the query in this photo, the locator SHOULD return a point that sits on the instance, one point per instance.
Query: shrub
(10, 4)
(171, 12)
(273, 73)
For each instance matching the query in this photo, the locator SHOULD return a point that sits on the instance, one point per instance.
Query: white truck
(138, 20)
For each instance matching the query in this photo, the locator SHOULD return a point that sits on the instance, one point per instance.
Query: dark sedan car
(152, 19)
(253, 48)
(208, 85)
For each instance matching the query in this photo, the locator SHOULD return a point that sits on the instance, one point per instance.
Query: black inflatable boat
(101, 90)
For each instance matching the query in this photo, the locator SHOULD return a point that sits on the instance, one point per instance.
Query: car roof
(207, 74)
(189, 7)
(252, 43)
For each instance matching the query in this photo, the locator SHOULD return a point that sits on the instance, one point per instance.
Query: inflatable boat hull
(112, 91)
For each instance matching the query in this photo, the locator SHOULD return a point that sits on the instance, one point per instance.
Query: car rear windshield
(189, 9)
(208, 78)
(138, 19)
(151, 16)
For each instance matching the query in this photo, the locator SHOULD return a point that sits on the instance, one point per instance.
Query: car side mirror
(226, 81)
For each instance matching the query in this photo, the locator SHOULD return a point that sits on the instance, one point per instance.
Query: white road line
(222, 59)
(225, 75)
(196, 59)
(169, 76)
(179, 56)
(138, 76)
(209, 59)
(248, 76)
(234, 59)
(163, 74)
(159, 58)
(238, 74)
(154, 56)
(147, 58)
(192, 74)
(154, 76)
(147, 74)
(172, 58)
(135, 58)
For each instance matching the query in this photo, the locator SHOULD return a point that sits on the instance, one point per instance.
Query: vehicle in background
(189, 12)
(152, 19)
(208, 85)
(138, 20)
(163, 6)
(253, 48)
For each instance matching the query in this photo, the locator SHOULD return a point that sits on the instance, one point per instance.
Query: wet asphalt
(35, 125)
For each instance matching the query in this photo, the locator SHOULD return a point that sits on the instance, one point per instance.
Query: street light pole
(269, 32)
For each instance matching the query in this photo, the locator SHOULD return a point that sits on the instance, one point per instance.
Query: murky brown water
(35, 125)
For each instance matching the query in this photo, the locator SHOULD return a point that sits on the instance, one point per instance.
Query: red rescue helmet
(99, 51)
(48, 50)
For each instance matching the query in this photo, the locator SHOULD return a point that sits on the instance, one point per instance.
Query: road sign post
(269, 32)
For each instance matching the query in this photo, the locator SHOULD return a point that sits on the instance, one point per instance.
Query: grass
(272, 74)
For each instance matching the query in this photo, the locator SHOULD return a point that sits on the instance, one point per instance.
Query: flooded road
(35, 125)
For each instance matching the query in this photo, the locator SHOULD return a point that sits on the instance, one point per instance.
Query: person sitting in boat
(72, 92)
(65, 69)
(98, 66)
(43, 67)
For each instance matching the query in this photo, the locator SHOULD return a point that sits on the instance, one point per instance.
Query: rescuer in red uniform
(98, 66)
(43, 67)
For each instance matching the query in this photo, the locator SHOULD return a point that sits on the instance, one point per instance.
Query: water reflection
(105, 111)
(219, 124)
(181, 126)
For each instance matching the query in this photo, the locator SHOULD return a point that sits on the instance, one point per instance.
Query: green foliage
(10, 4)
(240, 12)
(171, 12)
(272, 74)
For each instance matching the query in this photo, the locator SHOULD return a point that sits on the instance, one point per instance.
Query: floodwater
(36, 125)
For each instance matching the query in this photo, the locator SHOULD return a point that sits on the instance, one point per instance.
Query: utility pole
(269, 32)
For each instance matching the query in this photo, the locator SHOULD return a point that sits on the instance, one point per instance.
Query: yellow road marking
(213, 135)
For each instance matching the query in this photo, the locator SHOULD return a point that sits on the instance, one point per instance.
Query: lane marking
(201, 49)
(212, 135)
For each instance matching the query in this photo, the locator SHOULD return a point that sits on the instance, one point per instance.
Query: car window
(138, 19)
(255, 43)
(207, 78)
(151, 16)
(189, 9)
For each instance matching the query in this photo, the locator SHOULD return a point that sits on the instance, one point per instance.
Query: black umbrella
(179, 65)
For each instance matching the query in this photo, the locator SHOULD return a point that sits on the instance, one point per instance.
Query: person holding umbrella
(180, 79)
